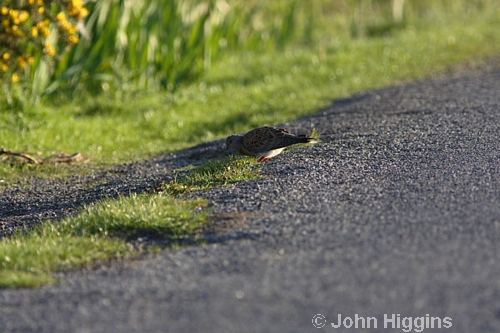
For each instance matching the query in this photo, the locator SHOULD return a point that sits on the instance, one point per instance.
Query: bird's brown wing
(267, 138)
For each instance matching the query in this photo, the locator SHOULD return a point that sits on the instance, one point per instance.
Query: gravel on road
(394, 216)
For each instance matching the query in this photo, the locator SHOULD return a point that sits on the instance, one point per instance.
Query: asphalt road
(395, 214)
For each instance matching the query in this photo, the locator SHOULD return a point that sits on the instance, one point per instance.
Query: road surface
(393, 218)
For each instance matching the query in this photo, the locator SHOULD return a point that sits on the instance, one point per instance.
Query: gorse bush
(35, 31)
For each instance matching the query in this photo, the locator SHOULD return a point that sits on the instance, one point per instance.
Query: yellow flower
(77, 3)
(41, 10)
(50, 50)
(70, 29)
(31, 2)
(4, 67)
(6, 56)
(22, 62)
(15, 78)
(34, 32)
(16, 31)
(14, 13)
(46, 32)
(40, 2)
(83, 13)
(5, 10)
(75, 7)
(74, 39)
(24, 16)
(61, 17)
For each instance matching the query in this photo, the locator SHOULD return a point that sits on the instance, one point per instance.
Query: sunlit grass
(98, 232)
(105, 230)
(215, 173)
(245, 90)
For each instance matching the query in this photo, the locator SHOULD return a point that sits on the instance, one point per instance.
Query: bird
(265, 142)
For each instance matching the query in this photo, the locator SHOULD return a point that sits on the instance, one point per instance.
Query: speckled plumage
(265, 142)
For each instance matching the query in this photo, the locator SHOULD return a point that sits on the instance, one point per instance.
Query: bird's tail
(306, 139)
(312, 140)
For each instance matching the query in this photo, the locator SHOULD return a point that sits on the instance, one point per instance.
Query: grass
(215, 173)
(98, 232)
(105, 230)
(244, 90)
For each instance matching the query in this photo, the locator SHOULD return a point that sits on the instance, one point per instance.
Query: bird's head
(233, 143)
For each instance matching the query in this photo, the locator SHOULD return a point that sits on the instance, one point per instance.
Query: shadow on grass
(121, 225)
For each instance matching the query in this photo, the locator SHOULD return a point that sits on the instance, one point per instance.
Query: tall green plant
(158, 44)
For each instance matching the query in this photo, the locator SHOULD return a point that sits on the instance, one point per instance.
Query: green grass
(244, 90)
(98, 232)
(215, 173)
(106, 229)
